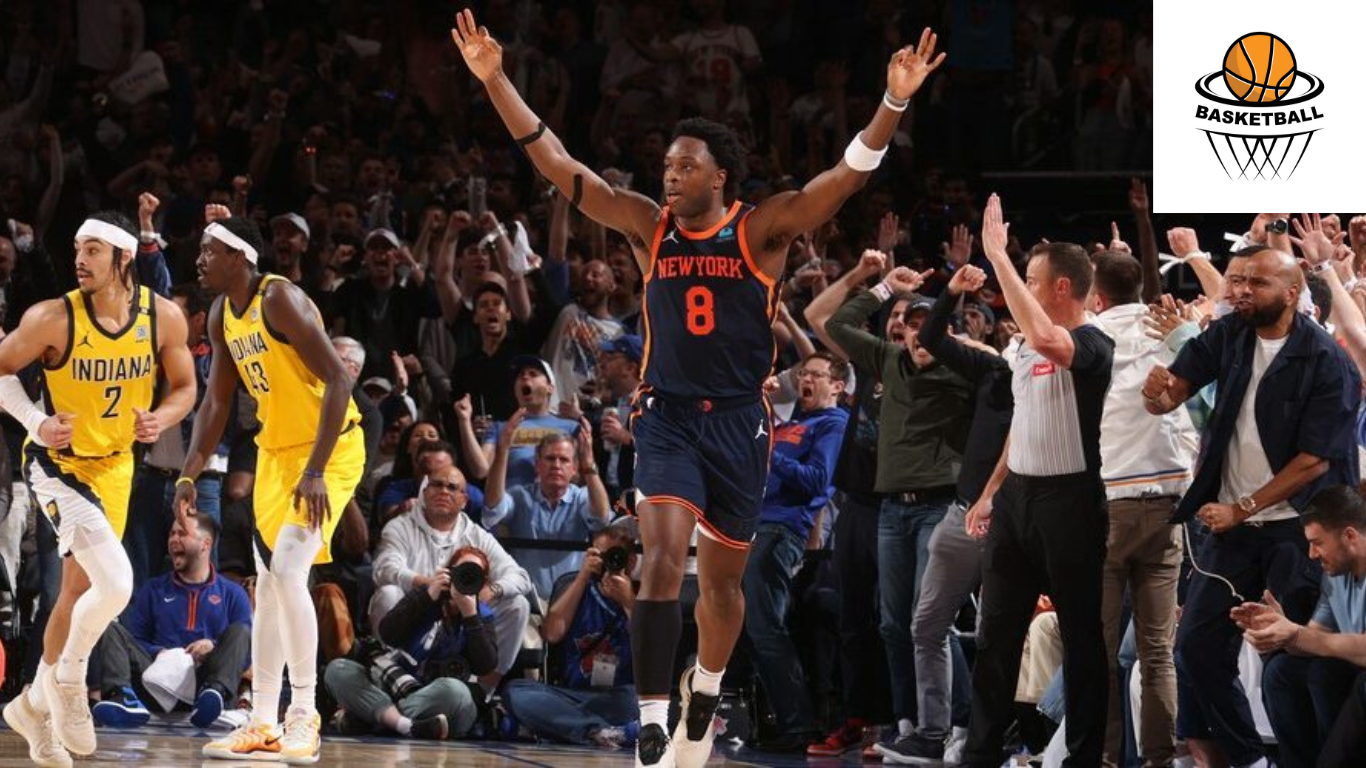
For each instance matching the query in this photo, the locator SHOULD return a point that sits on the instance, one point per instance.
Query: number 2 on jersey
(257, 374)
(113, 395)
(701, 310)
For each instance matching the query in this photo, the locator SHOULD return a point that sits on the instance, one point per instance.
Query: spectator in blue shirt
(591, 696)
(551, 507)
(534, 388)
(799, 487)
(1316, 665)
(191, 608)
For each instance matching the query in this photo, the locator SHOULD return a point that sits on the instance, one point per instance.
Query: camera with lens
(392, 677)
(468, 578)
(615, 559)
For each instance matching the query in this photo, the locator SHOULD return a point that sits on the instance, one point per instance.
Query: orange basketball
(1259, 67)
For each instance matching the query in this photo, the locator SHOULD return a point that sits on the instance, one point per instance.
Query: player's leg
(657, 622)
(296, 549)
(97, 551)
(720, 606)
(735, 457)
(259, 737)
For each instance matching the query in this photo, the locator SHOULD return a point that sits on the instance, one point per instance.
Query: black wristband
(532, 137)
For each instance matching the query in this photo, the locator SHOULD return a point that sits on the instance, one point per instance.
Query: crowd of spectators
(482, 575)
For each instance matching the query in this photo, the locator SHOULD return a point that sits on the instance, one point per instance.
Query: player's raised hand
(146, 426)
(911, 65)
(56, 430)
(483, 55)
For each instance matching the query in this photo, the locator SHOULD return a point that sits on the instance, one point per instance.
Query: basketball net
(1259, 157)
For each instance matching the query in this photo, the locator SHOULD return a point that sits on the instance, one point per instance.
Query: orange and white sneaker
(250, 741)
(301, 743)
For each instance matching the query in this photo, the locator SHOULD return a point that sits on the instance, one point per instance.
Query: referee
(1047, 526)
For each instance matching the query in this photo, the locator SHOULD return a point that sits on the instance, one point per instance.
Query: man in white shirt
(1146, 463)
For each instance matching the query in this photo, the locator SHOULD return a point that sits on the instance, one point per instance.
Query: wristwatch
(1278, 227)
(1247, 504)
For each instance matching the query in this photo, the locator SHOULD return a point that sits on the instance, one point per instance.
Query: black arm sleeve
(481, 646)
(971, 364)
(413, 614)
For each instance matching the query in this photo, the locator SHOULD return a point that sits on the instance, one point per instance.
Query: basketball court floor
(167, 747)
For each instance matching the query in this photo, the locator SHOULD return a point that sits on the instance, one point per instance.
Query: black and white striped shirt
(1056, 426)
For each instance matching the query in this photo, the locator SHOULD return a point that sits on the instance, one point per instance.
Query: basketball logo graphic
(1259, 67)
(1273, 116)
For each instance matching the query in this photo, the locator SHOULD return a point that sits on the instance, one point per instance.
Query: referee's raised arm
(1051, 339)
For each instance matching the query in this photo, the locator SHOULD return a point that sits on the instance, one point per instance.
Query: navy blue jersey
(708, 312)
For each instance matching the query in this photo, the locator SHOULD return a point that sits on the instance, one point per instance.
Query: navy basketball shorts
(709, 457)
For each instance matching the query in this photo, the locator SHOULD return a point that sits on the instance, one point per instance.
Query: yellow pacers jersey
(104, 375)
(289, 397)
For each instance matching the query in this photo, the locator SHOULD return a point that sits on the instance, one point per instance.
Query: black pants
(1346, 742)
(124, 660)
(863, 660)
(1254, 558)
(1047, 536)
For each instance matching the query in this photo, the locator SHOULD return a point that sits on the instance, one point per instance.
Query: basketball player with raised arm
(702, 428)
(102, 347)
(267, 334)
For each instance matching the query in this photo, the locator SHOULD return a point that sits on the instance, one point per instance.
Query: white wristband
(882, 291)
(1322, 266)
(861, 157)
(1349, 285)
(16, 402)
(892, 103)
(1195, 255)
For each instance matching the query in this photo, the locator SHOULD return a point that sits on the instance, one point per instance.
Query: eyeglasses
(445, 486)
(812, 374)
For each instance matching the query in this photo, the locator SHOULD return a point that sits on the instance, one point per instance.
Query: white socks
(111, 585)
(654, 711)
(35, 691)
(904, 727)
(285, 629)
(404, 727)
(707, 682)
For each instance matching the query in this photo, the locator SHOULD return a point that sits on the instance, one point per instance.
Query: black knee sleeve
(655, 628)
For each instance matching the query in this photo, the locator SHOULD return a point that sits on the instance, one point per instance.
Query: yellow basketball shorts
(80, 495)
(278, 472)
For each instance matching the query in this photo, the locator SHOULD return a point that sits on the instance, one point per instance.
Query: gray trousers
(510, 616)
(953, 573)
(353, 688)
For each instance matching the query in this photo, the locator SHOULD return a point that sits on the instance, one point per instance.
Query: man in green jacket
(925, 413)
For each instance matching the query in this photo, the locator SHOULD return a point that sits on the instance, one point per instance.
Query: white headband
(103, 230)
(223, 235)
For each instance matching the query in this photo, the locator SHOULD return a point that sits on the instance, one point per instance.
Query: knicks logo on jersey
(700, 266)
(251, 345)
(111, 369)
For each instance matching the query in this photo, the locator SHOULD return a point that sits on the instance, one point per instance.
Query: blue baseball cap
(631, 346)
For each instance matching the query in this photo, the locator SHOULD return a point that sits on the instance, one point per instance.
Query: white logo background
(1190, 39)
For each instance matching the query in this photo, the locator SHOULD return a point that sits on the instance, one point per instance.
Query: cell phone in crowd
(479, 187)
